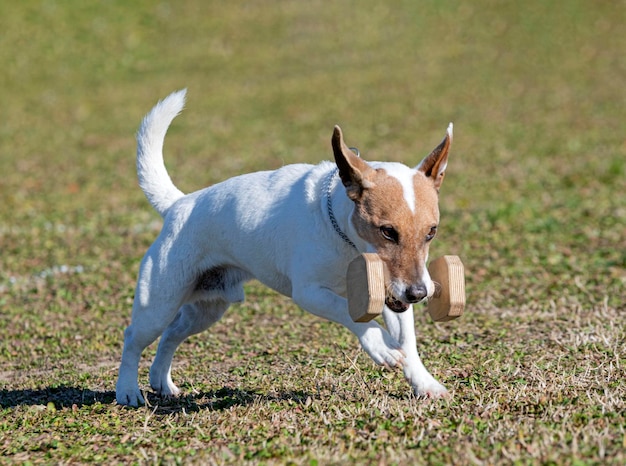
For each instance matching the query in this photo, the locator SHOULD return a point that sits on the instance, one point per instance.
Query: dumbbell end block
(449, 300)
(366, 287)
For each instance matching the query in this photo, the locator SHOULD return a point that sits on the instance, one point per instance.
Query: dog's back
(258, 223)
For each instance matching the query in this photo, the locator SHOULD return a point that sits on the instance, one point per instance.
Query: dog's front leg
(402, 328)
(374, 339)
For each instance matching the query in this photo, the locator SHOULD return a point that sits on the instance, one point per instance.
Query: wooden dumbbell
(367, 277)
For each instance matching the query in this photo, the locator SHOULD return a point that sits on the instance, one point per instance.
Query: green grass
(533, 203)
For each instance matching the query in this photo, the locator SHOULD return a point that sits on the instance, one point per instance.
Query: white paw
(382, 348)
(432, 389)
(162, 384)
(129, 396)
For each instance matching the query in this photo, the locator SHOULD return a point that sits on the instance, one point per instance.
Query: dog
(295, 229)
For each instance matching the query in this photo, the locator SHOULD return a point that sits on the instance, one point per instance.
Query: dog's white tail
(153, 177)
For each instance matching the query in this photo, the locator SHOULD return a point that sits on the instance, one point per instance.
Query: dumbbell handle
(437, 292)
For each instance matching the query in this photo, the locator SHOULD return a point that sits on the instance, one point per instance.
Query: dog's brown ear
(353, 170)
(434, 164)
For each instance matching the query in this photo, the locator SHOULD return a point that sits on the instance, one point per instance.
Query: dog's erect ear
(434, 164)
(353, 170)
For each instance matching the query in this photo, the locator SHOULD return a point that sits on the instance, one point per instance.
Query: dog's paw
(388, 357)
(163, 385)
(168, 390)
(382, 348)
(129, 397)
(432, 389)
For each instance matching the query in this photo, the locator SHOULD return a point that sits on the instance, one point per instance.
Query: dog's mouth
(395, 304)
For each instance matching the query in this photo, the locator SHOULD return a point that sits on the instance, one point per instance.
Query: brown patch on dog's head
(397, 213)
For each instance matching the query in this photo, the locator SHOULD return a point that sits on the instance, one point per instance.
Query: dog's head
(397, 214)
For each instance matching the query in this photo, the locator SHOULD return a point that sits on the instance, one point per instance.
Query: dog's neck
(329, 190)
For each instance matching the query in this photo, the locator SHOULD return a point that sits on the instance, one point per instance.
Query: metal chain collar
(329, 203)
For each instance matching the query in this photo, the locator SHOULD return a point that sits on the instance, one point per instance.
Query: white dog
(295, 229)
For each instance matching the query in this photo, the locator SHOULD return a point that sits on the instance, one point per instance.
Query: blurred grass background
(534, 198)
(536, 92)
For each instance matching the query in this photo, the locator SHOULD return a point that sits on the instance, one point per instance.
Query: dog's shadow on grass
(60, 397)
(221, 399)
(214, 400)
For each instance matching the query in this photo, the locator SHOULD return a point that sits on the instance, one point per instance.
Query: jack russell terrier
(294, 229)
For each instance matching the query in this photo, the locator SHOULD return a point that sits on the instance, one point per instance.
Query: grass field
(534, 202)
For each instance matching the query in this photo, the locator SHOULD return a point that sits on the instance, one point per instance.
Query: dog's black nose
(415, 293)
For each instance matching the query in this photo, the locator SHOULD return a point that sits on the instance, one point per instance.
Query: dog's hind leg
(191, 319)
(158, 297)
(402, 328)
(147, 324)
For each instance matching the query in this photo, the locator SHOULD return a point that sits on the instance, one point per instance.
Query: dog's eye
(389, 233)
(431, 234)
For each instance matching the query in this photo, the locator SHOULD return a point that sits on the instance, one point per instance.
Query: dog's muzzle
(413, 294)
(396, 305)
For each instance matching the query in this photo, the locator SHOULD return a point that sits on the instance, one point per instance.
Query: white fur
(272, 226)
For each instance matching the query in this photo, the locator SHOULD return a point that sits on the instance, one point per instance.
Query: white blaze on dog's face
(397, 213)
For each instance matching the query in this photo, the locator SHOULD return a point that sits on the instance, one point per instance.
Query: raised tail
(153, 177)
